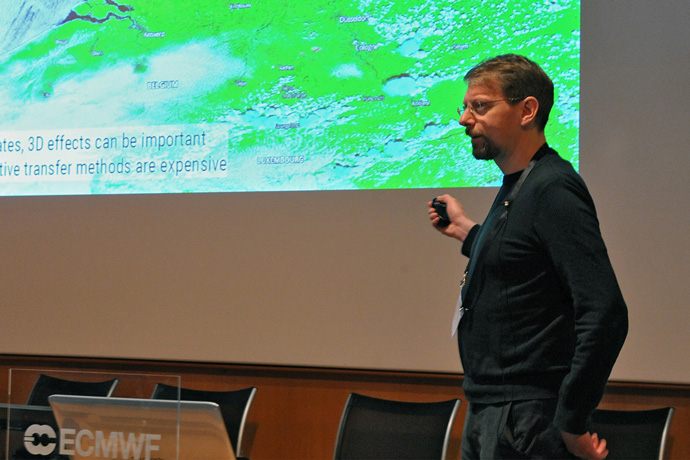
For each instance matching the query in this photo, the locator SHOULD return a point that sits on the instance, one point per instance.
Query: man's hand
(586, 445)
(460, 225)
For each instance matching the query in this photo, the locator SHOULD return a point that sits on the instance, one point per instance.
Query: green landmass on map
(346, 95)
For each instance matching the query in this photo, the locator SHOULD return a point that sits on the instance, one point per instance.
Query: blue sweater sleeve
(569, 229)
(467, 244)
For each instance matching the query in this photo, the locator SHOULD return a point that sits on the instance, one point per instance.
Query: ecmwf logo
(42, 440)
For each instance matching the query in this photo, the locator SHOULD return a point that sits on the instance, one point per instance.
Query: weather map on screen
(171, 96)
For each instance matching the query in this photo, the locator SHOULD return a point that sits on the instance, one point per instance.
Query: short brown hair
(518, 78)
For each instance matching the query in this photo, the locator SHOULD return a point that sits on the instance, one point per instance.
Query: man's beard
(488, 151)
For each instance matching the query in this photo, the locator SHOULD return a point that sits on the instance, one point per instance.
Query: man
(543, 318)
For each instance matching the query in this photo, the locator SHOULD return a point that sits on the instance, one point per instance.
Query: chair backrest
(380, 428)
(234, 406)
(633, 434)
(46, 386)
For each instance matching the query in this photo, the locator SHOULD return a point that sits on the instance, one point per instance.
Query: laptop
(141, 429)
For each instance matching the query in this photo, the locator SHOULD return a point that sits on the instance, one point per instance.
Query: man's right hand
(460, 225)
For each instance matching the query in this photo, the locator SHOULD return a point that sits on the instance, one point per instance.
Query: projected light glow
(134, 96)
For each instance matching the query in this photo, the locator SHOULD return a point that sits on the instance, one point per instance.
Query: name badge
(459, 309)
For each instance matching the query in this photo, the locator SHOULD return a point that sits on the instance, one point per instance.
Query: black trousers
(513, 430)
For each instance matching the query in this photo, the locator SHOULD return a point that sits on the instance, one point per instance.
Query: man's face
(491, 122)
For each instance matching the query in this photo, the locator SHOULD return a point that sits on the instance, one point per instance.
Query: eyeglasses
(481, 107)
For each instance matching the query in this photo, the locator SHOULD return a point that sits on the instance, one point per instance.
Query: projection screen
(325, 128)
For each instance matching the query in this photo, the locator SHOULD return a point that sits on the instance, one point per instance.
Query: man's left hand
(586, 445)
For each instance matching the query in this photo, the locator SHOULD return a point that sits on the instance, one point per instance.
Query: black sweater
(546, 317)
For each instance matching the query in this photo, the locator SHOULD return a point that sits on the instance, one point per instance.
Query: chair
(234, 406)
(46, 386)
(633, 434)
(373, 428)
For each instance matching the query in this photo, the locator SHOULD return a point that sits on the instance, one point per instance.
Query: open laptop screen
(141, 429)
